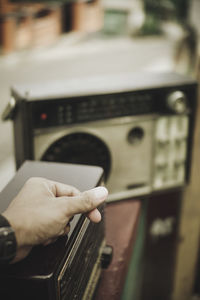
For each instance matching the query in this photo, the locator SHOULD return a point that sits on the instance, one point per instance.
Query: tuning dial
(135, 135)
(177, 102)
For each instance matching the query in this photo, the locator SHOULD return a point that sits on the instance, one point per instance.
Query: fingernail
(100, 192)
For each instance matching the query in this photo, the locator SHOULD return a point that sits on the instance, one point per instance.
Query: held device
(70, 267)
(137, 127)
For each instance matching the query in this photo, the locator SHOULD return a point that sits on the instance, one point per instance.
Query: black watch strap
(8, 244)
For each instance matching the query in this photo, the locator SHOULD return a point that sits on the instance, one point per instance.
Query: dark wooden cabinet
(161, 237)
(152, 266)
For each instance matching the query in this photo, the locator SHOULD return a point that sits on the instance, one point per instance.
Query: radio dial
(177, 102)
(135, 135)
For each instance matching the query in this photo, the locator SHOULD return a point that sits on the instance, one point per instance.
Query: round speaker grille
(80, 148)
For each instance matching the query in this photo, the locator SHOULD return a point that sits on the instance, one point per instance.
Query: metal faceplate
(129, 141)
(139, 154)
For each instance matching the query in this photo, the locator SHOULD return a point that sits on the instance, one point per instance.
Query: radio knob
(106, 256)
(177, 102)
(135, 135)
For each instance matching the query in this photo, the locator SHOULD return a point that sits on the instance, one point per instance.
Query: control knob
(177, 102)
(106, 256)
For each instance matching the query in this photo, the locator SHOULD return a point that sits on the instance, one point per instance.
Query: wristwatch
(8, 244)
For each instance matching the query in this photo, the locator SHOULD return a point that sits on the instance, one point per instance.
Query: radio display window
(57, 112)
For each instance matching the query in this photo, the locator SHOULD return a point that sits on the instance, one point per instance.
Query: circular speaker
(80, 148)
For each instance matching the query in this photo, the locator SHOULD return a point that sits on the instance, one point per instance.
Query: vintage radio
(137, 127)
(70, 267)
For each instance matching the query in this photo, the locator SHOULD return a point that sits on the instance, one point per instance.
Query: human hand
(42, 210)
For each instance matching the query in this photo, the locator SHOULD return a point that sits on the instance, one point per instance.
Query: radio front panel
(138, 130)
(115, 144)
(139, 155)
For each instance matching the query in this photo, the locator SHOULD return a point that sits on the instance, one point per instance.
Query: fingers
(94, 215)
(61, 189)
(50, 241)
(64, 232)
(58, 189)
(85, 202)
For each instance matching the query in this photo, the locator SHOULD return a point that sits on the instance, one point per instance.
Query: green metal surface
(133, 281)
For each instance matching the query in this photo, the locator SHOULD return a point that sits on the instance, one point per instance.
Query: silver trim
(72, 252)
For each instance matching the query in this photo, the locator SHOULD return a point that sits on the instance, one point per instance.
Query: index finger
(61, 189)
(84, 202)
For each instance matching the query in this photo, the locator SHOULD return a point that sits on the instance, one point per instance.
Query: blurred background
(78, 38)
(47, 40)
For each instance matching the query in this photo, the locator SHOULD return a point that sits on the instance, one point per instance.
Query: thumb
(85, 202)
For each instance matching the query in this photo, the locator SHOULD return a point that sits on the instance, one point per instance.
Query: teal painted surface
(132, 287)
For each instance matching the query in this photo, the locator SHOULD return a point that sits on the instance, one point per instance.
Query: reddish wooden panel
(121, 226)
